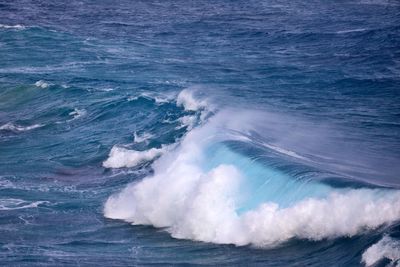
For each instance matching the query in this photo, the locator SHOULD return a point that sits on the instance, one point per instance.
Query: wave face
(204, 133)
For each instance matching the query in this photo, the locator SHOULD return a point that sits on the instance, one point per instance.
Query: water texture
(229, 133)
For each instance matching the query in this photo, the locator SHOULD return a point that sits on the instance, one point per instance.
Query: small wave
(18, 128)
(16, 204)
(42, 84)
(157, 98)
(15, 27)
(386, 248)
(77, 113)
(120, 157)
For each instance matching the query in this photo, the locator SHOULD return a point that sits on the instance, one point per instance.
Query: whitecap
(120, 157)
(157, 98)
(18, 128)
(386, 248)
(42, 84)
(351, 30)
(15, 27)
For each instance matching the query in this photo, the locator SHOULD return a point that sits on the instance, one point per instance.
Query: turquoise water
(264, 118)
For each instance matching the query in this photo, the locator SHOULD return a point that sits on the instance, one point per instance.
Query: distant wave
(120, 157)
(157, 98)
(77, 113)
(18, 128)
(15, 27)
(42, 84)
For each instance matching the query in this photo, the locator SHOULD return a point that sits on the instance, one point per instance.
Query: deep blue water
(258, 133)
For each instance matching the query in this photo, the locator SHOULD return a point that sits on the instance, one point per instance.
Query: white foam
(16, 204)
(144, 137)
(16, 27)
(120, 157)
(187, 99)
(77, 113)
(17, 128)
(386, 248)
(157, 98)
(42, 84)
(188, 121)
(201, 205)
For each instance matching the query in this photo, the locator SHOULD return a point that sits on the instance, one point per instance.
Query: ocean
(200, 133)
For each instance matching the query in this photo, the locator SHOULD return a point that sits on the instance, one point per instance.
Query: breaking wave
(208, 188)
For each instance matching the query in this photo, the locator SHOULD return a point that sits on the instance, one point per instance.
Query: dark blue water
(200, 133)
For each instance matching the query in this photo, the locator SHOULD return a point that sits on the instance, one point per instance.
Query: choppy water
(191, 132)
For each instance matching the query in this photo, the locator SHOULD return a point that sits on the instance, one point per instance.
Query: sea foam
(15, 27)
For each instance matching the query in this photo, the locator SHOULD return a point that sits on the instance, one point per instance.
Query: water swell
(205, 190)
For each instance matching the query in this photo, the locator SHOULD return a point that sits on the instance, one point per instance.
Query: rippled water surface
(261, 133)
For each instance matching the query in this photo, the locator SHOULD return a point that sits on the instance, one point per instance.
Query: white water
(386, 248)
